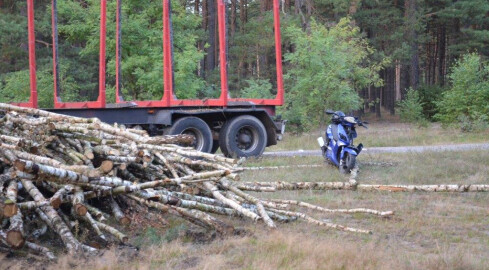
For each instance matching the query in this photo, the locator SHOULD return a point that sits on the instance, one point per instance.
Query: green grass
(389, 134)
(428, 230)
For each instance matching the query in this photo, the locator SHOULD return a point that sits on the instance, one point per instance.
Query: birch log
(10, 208)
(53, 219)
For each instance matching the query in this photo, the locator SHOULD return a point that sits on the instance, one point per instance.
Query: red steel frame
(32, 57)
(168, 99)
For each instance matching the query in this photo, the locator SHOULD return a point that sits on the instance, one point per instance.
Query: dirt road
(400, 149)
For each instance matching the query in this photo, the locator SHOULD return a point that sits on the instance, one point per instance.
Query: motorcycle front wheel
(348, 163)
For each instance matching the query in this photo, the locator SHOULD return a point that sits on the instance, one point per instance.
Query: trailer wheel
(243, 136)
(196, 127)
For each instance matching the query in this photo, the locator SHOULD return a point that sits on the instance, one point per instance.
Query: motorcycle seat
(334, 131)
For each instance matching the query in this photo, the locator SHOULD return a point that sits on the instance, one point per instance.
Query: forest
(423, 59)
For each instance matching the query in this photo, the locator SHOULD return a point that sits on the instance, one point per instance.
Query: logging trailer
(241, 127)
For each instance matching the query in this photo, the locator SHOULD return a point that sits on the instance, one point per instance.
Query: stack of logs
(62, 175)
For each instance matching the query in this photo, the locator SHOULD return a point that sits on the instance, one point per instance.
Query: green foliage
(78, 28)
(251, 53)
(472, 16)
(411, 108)
(142, 46)
(257, 89)
(470, 125)
(326, 68)
(429, 95)
(469, 92)
(16, 87)
(376, 15)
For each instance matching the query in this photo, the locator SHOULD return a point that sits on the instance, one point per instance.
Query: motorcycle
(339, 148)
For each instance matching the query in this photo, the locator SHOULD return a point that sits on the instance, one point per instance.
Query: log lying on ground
(274, 186)
(426, 188)
(353, 185)
(74, 175)
(326, 210)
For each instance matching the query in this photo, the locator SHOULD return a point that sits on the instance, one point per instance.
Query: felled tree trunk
(425, 188)
(53, 219)
(119, 215)
(10, 208)
(15, 232)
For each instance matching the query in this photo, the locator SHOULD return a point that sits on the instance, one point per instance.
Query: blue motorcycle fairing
(332, 148)
(342, 136)
(350, 150)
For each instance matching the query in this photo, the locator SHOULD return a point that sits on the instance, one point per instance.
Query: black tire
(196, 127)
(348, 163)
(243, 136)
(215, 146)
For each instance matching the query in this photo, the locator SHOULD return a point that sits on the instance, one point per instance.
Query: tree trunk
(378, 95)
(412, 35)
(211, 51)
(442, 55)
(233, 17)
(398, 81)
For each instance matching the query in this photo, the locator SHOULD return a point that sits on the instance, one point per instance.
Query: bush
(429, 95)
(468, 96)
(469, 125)
(411, 108)
(324, 71)
(258, 88)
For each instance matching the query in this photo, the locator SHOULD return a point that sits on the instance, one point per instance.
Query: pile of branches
(62, 175)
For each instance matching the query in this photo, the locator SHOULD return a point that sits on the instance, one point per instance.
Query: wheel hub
(246, 139)
(198, 143)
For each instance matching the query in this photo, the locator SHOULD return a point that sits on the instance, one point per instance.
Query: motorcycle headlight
(350, 119)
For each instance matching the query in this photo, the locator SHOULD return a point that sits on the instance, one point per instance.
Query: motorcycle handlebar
(362, 124)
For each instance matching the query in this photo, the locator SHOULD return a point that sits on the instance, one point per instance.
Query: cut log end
(19, 165)
(15, 239)
(89, 155)
(10, 209)
(124, 239)
(55, 202)
(33, 150)
(125, 221)
(107, 166)
(80, 209)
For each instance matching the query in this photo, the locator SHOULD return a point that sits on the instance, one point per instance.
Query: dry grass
(428, 231)
(388, 134)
